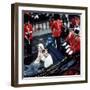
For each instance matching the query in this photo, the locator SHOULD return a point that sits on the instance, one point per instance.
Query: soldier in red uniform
(74, 41)
(28, 35)
(56, 28)
(75, 23)
(28, 31)
(73, 45)
(77, 20)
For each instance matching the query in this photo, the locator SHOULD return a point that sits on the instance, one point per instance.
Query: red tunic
(56, 28)
(74, 41)
(28, 31)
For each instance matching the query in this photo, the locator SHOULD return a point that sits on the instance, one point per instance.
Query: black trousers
(27, 52)
(28, 47)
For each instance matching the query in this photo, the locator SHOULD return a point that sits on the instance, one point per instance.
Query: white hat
(41, 46)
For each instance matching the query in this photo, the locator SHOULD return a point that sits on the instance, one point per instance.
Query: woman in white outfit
(43, 56)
